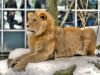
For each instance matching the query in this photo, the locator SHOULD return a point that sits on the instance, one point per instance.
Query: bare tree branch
(67, 14)
(82, 18)
(86, 8)
(82, 4)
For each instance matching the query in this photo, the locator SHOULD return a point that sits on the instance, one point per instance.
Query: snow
(18, 52)
(3, 67)
(61, 8)
(84, 66)
(87, 70)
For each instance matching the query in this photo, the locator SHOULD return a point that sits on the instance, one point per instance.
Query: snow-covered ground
(3, 67)
(84, 66)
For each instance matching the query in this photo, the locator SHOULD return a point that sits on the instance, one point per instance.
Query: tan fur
(45, 39)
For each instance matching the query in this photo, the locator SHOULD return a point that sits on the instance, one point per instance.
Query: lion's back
(71, 41)
(67, 41)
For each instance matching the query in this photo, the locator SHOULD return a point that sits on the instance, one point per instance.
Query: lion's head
(39, 21)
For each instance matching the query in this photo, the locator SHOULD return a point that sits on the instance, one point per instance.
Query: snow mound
(3, 67)
(84, 66)
(18, 52)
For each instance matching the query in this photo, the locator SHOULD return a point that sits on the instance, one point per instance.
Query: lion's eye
(34, 20)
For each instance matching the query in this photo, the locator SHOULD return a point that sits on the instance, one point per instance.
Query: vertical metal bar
(2, 50)
(98, 29)
(25, 23)
(75, 13)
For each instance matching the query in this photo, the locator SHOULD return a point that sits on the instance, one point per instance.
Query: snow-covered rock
(3, 67)
(18, 52)
(84, 66)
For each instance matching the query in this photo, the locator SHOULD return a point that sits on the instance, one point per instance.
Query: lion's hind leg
(89, 41)
(91, 49)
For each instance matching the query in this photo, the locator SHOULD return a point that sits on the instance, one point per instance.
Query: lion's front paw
(20, 65)
(13, 62)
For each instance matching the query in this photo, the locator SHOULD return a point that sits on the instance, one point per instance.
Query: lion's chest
(36, 43)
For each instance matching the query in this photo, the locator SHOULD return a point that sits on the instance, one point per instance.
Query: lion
(46, 40)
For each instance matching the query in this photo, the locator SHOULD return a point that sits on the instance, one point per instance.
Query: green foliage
(61, 2)
(33, 1)
(98, 47)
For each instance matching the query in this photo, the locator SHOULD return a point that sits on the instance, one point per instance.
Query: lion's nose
(27, 26)
(13, 65)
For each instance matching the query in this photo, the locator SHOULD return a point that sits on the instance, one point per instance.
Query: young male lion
(45, 40)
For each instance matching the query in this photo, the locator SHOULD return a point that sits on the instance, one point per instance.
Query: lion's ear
(30, 14)
(43, 16)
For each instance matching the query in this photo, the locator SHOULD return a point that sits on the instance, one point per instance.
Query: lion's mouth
(32, 31)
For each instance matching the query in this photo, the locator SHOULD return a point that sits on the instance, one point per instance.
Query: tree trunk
(52, 9)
